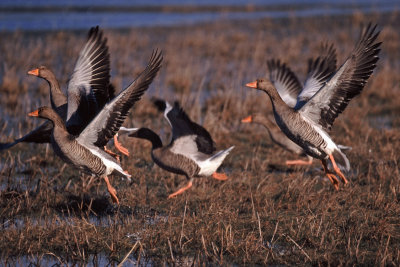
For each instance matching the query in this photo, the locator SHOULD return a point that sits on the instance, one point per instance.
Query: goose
(291, 90)
(191, 151)
(308, 123)
(89, 89)
(279, 138)
(85, 150)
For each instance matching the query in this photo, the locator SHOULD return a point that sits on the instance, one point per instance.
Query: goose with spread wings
(291, 91)
(89, 89)
(308, 123)
(85, 151)
(191, 151)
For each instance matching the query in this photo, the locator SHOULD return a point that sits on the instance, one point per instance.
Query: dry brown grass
(265, 213)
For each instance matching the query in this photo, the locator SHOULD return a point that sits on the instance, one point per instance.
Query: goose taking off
(191, 151)
(308, 122)
(279, 138)
(291, 91)
(89, 89)
(85, 151)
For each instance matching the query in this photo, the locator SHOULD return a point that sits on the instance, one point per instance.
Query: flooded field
(265, 214)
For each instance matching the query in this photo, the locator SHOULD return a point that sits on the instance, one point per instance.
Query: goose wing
(182, 125)
(319, 71)
(90, 81)
(108, 121)
(285, 81)
(346, 83)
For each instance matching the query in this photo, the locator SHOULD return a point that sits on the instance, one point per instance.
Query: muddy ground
(266, 213)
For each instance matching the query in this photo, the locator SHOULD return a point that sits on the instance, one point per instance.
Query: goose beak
(34, 113)
(247, 119)
(34, 72)
(252, 85)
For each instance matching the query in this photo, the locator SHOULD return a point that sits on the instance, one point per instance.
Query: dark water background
(77, 14)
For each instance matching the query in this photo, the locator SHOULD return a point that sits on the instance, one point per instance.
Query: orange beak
(34, 113)
(252, 85)
(247, 119)
(34, 72)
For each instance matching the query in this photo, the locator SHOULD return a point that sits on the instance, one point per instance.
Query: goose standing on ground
(191, 150)
(89, 89)
(85, 151)
(308, 122)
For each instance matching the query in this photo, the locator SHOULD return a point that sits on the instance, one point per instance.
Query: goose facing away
(191, 151)
(85, 151)
(278, 137)
(307, 124)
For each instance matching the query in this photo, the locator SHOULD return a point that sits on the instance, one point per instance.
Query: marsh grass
(266, 213)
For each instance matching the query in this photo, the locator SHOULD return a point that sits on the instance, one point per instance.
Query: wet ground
(266, 213)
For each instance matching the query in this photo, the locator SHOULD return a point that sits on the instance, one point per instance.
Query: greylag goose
(191, 150)
(279, 138)
(85, 151)
(89, 89)
(291, 91)
(308, 123)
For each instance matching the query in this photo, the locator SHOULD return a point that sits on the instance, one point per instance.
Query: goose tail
(220, 156)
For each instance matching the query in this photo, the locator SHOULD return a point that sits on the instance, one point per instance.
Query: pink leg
(111, 190)
(219, 176)
(299, 162)
(337, 170)
(180, 191)
(119, 146)
(330, 175)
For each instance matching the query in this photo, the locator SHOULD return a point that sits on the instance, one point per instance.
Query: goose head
(49, 114)
(261, 84)
(42, 72)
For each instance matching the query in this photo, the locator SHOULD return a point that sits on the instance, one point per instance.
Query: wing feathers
(107, 123)
(285, 81)
(348, 81)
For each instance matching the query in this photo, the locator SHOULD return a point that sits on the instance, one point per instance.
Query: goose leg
(111, 190)
(300, 162)
(330, 175)
(112, 154)
(337, 170)
(119, 146)
(219, 176)
(180, 191)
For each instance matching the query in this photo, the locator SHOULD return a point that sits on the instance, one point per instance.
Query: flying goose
(291, 91)
(191, 150)
(89, 89)
(85, 151)
(308, 123)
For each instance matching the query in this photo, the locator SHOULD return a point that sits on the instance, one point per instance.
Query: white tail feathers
(221, 154)
(210, 165)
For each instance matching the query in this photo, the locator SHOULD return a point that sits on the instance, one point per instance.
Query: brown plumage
(307, 124)
(85, 151)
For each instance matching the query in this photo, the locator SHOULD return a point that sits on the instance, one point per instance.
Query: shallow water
(75, 15)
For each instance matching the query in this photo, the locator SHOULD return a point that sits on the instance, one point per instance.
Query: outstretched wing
(182, 125)
(285, 81)
(348, 81)
(108, 121)
(90, 80)
(319, 71)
